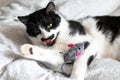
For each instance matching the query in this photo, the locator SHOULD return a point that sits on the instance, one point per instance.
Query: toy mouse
(74, 52)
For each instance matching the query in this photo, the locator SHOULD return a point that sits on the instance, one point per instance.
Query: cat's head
(44, 22)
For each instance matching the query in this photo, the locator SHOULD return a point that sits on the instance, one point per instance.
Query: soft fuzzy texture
(14, 67)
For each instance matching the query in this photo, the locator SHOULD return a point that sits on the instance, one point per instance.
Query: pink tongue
(47, 41)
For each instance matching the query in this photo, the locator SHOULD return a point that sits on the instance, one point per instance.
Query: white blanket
(13, 35)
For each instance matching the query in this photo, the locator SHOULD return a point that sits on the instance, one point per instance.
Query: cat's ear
(50, 7)
(23, 19)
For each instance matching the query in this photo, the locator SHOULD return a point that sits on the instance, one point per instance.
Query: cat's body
(53, 33)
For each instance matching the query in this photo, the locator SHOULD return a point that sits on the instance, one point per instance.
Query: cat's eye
(49, 26)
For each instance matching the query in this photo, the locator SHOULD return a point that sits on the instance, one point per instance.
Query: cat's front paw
(32, 52)
(26, 49)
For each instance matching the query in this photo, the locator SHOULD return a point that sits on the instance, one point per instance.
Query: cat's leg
(81, 64)
(53, 59)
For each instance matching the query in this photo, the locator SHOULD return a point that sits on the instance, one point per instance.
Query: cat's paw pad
(26, 49)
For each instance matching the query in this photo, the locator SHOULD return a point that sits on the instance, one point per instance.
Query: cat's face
(44, 22)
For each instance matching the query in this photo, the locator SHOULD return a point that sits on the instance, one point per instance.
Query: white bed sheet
(12, 67)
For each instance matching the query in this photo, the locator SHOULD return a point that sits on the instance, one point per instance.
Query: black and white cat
(52, 33)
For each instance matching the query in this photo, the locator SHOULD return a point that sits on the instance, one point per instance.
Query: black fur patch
(76, 27)
(90, 60)
(109, 25)
(32, 30)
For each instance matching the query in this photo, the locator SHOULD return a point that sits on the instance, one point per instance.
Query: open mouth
(48, 41)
